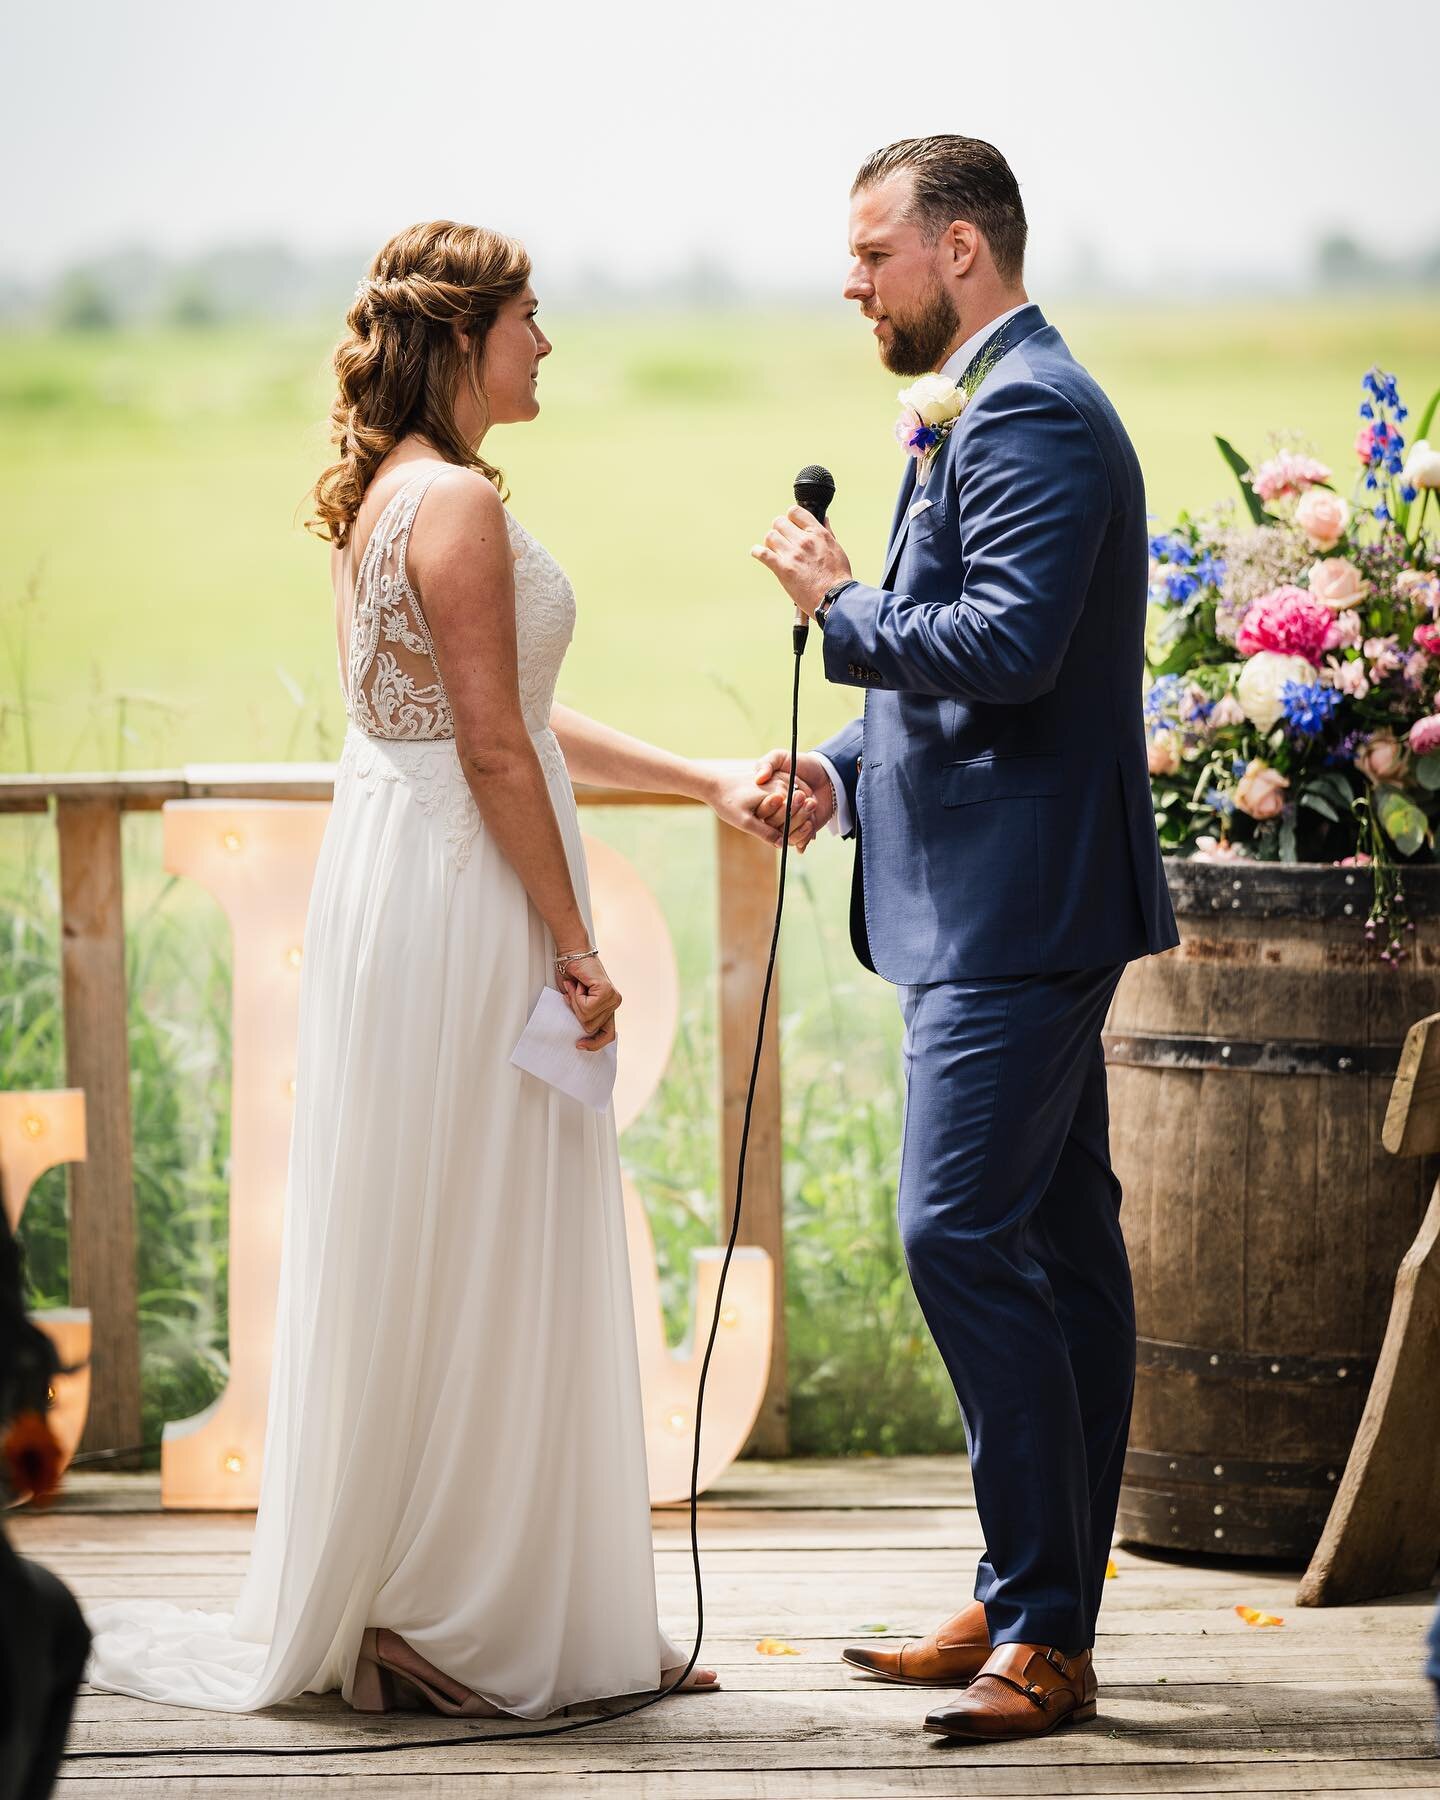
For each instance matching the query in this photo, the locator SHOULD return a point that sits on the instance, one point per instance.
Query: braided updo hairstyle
(398, 364)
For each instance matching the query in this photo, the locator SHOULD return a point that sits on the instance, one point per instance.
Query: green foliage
(1241, 470)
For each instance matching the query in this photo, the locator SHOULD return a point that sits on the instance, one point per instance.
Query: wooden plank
(746, 874)
(1412, 1118)
(982, 1776)
(147, 791)
(97, 1059)
(1383, 1532)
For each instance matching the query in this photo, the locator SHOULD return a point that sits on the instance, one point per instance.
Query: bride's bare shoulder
(460, 532)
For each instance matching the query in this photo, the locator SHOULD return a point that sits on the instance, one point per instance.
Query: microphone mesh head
(815, 489)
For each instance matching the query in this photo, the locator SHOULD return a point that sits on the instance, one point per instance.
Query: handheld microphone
(814, 490)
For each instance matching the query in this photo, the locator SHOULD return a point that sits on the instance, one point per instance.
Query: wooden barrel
(1249, 1070)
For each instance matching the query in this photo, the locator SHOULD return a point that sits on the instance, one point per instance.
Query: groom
(1007, 869)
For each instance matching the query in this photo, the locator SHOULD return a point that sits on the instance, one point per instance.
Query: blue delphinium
(1162, 700)
(1307, 706)
(1386, 443)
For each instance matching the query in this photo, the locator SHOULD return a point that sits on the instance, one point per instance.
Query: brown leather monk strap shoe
(952, 1656)
(1024, 1690)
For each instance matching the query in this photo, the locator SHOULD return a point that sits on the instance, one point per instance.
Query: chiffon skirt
(454, 1446)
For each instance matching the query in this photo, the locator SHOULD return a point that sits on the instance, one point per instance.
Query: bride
(454, 1504)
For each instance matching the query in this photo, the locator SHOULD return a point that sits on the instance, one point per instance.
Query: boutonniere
(928, 411)
(930, 407)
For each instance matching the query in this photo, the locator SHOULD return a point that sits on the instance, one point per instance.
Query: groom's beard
(918, 344)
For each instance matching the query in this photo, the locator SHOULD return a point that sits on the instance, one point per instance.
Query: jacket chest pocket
(1001, 778)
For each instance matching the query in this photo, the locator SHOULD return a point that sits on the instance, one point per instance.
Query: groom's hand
(772, 773)
(737, 797)
(804, 556)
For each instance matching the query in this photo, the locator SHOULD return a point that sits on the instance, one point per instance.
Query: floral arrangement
(1293, 652)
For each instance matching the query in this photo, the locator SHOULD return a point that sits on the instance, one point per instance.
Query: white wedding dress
(454, 1447)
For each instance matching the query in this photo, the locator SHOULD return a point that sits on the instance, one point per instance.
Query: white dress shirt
(954, 366)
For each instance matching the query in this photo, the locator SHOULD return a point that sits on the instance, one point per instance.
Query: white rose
(1422, 465)
(935, 398)
(1262, 681)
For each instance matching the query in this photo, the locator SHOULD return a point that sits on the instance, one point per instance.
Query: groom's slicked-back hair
(957, 178)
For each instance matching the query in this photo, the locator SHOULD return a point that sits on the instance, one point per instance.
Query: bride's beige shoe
(389, 1669)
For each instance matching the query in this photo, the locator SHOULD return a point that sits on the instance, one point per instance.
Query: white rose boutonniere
(929, 409)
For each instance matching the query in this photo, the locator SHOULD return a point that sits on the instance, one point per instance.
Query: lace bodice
(391, 682)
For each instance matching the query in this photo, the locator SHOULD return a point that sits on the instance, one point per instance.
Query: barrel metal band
(1148, 1050)
(1256, 1526)
(1165, 1468)
(1253, 1365)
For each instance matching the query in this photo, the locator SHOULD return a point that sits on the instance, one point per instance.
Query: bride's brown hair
(397, 366)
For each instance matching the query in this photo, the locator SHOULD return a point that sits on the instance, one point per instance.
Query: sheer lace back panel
(391, 682)
(392, 685)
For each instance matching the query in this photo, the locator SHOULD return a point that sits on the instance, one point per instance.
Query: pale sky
(1183, 142)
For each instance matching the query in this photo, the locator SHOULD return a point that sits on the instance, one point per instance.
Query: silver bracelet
(563, 962)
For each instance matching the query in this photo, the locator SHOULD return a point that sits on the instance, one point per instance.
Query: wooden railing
(87, 811)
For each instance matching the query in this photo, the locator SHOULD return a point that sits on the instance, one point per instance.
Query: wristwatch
(829, 597)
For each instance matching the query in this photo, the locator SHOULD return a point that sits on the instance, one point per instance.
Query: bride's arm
(462, 567)
(600, 756)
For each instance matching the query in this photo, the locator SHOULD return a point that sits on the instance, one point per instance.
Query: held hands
(742, 797)
(804, 556)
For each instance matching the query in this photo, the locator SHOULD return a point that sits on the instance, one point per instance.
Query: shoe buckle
(1059, 1662)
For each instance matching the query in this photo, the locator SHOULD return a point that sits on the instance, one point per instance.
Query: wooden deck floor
(1192, 1701)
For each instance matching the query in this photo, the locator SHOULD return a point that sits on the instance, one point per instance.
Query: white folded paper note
(547, 1048)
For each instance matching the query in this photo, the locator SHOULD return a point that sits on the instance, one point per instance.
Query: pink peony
(1261, 792)
(1290, 623)
(1424, 735)
(1322, 516)
(1337, 584)
(1287, 473)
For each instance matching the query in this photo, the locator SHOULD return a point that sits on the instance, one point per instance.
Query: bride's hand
(735, 797)
(593, 999)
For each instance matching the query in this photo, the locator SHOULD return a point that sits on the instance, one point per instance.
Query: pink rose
(1290, 623)
(1427, 638)
(1322, 516)
(1365, 443)
(1287, 473)
(1360, 860)
(1382, 757)
(1261, 792)
(1164, 754)
(1425, 735)
(1337, 584)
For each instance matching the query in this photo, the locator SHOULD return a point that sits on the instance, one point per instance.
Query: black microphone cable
(479, 1735)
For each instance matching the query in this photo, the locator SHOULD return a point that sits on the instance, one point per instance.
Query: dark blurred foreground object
(44, 1640)
(1383, 1533)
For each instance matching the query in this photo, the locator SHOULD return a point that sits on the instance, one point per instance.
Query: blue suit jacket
(999, 777)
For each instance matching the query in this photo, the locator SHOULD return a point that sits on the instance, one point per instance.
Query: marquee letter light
(37, 1131)
(640, 956)
(258, 859)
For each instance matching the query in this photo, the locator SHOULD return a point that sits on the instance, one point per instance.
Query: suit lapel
(1015, 330)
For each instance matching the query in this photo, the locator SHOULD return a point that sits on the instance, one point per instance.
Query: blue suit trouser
(1010, 1217)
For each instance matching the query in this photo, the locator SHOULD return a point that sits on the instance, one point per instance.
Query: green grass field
(160, 604)
(155, 486)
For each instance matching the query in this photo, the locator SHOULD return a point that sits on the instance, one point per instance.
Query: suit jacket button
(859, 764)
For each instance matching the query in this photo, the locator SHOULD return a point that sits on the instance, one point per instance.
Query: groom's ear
(963, 240)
